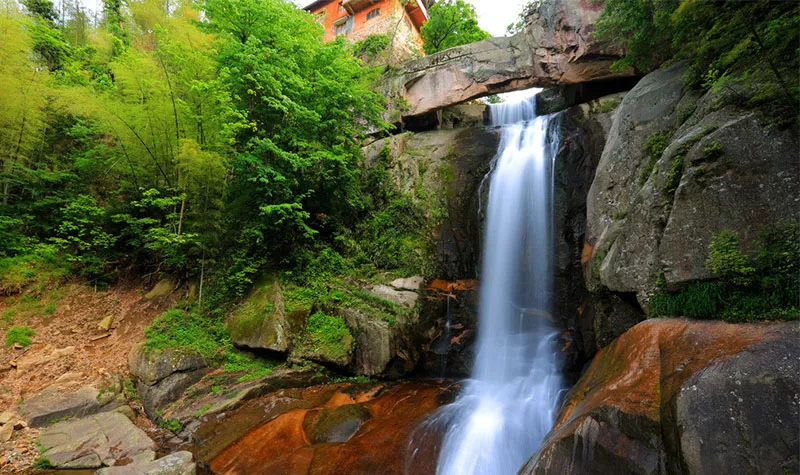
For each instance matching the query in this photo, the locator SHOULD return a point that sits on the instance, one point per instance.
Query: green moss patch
(326, 336)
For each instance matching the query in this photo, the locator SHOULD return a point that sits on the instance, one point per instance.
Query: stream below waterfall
(507, 407)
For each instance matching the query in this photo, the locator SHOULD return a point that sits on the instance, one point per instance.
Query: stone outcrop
(59, 401)
(95, 441)
(261, 322)
(163, 375)
(652, 212)
(555, 47)
(583, 134)
(676, 396)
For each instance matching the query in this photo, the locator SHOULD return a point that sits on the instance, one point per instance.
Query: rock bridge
(554, 48)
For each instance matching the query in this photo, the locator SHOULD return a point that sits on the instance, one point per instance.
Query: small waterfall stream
(507, 407)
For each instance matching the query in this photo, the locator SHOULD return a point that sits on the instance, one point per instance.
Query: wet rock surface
(678, 396)
(379, 422)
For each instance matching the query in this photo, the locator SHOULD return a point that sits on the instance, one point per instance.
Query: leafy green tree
(527, 10)
(452, 23)
(746, 51)
(307, 104)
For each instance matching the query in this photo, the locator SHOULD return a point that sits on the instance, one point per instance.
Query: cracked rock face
(656, 212)
(162, 375)
(554, 48)
(95, 441)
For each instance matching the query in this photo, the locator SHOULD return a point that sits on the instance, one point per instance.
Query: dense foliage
(160, 140)
(452, 23)
(746, 50)
(754, 285)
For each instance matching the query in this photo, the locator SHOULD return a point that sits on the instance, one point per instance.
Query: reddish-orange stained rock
(451, 286)
(642, 370)
(381, 444)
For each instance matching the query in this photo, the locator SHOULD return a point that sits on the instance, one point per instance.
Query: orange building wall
(388, 8)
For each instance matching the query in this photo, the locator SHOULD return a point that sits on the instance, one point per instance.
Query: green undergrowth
(37, 270)
(179, 328)
(760, 284)
(21, 335)
(326, 334)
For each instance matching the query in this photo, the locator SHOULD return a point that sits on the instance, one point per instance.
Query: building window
(373, 13)
(343, 26)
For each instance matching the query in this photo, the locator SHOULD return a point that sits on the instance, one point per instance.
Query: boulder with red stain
(680, 396)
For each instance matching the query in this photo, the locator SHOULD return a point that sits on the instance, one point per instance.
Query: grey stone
(742, 415)
(163, 375)
(409, 283)
(95, 441)
(150, 365)
(177, 463)
(169, 389)
(403, 298)
(721, 169)
(52, 403)
(261, 321)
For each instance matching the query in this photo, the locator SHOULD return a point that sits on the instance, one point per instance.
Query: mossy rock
(326, 340)
(262, 322)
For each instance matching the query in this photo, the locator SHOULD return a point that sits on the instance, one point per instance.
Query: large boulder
(555, 47)
(677, 396)
(262, 322)
(162, 375)
(678, 168)
(95, 441)
(63, 400)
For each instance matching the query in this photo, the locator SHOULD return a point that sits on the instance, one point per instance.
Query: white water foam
(505, 410)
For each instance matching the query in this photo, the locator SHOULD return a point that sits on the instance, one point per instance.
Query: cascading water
(503, 413)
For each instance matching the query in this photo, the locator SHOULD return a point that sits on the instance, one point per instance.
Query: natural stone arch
(554, 48)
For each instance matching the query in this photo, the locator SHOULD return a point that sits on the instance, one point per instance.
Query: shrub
(180, 329)
(749, 286)
(21, 335)
(37, 269)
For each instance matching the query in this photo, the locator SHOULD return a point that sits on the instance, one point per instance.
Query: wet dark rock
(337, 424)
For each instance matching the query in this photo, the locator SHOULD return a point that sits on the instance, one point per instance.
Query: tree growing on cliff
(452, 23)
(745, 51)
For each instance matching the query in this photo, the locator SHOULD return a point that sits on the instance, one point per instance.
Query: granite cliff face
(653, 211)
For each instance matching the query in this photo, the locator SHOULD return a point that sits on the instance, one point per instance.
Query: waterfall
(504, 411)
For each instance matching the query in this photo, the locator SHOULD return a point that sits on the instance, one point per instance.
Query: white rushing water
(507, 407)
